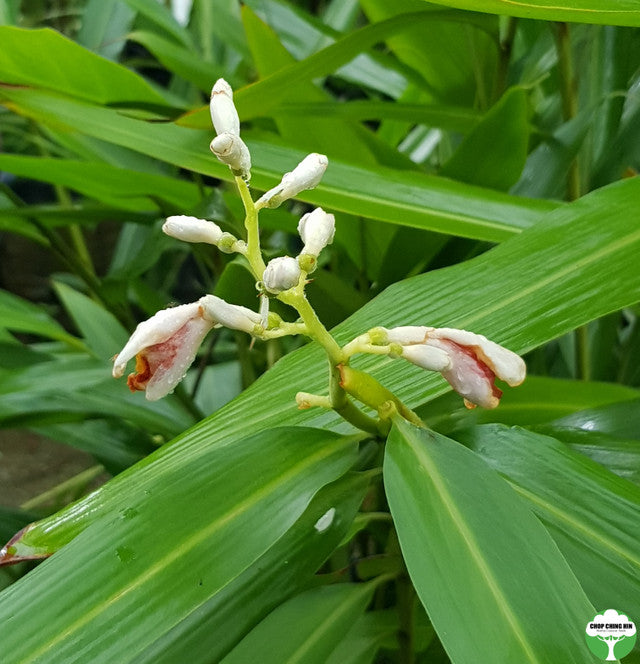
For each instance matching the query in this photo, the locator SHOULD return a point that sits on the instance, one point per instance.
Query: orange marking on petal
(138, 380)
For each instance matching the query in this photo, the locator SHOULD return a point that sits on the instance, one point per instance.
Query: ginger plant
(165, 345)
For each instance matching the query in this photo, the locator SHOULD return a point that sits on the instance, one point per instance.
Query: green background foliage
(481, 163)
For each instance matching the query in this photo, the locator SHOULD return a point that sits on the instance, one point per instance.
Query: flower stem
(254, 254)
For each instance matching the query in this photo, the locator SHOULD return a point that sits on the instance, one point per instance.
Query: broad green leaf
(607, 12)
(494, 153)
(112, 185)
(12, 222)
(321, 134)
(179, 59)
(47, 59)
(306, 628)
(532, 288)
(267, 93)
(246, 496)
(452, 118)
(100, 329)
(538, 400)
(545, 170)
(211, 632)
(482, 564)
(39, 400)
(406, 198)
(52, 216)
(456, 60)
(104, 26)
(160, 16)
(591, 513)
(502, 294)
(365, 638)
(302, 34)
(21, 316)
(618, 419)
(620, 455)
(114, 443)
(9, 11)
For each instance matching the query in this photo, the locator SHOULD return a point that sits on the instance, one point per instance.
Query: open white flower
(164, 346)
(306, 175)
(469, 362)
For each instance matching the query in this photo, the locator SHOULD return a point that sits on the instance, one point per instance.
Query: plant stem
(569, 99)
(504, 57)
(254, 254)
(574, 190)
(405, 596)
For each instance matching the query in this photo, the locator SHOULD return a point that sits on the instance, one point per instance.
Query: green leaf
(494, 153)
(210, 632)
(320, 135)
(261, 486)
(538, 400)
(401, 197)
(21, 316)
(47, 59)
(530, 289)
(179, 59)
(305, 628)
(618, 419)
(114, 443)
(365, 638)
(160, 16)
(620, 455)
(451, 118)
(482, 564)
(592, 514)
(117, 186)
(100, 329)
(269, 92)
(606, 12)
(455, 60)
(105, 24)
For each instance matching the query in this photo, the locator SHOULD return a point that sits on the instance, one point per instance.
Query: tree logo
(610, 635)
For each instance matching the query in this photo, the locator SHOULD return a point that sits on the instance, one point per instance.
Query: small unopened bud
(223, 111)
(192, 229)
(316, 229)
(233, 316)
(306, 175)
(232, 151)
(281, 274)
(228, 243)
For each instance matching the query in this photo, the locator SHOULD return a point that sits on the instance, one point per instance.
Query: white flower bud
(232, 151)
(192, 229)
(306, 175)
(281, 274)
(223, 111)
(316, 229)
(233, 316)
